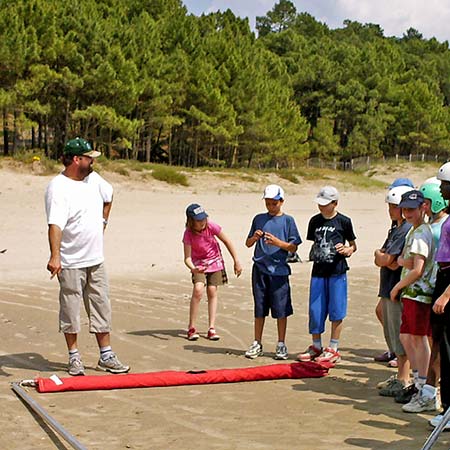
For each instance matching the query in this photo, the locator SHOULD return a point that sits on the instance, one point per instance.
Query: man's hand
(54, 266)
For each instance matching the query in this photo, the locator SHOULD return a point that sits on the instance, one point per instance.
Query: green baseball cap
(80, 147)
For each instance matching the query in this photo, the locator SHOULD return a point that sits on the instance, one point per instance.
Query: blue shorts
(271, 292)
(327, 297)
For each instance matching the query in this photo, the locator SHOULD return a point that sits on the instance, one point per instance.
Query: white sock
(105, 352)
(429, 391)
(74, 353)
(334, 344)
(317, 343)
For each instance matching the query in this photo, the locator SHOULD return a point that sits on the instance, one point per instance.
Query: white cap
(327, 195)
(274, 192)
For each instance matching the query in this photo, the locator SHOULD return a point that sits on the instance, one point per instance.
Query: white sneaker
(281, 352)
(75, 367)
(254, 351)
(419, 404)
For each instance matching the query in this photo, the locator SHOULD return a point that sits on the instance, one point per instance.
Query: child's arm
(408, 263)
(413, 275)
(232, 251)
(383, 259)
(270, 239)
(441, 302)
(346, 250)
(257, 235)
(188, 260)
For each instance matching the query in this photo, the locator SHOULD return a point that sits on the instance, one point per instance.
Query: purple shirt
(443, 252)
(205, 250)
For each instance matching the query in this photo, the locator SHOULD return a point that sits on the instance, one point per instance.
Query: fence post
(396, 157)
(423, 157)
(410, 157)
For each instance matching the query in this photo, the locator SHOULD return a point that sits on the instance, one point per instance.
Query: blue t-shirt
(271, 259)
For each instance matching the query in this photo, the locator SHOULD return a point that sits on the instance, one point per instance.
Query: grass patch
(288, 175)
(170, 175)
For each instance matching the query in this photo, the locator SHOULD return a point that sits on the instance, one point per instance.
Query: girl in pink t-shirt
(203, 257)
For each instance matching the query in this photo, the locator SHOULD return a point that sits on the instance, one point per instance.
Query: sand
(150, 291)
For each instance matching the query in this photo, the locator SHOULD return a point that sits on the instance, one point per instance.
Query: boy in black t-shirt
(329, 231)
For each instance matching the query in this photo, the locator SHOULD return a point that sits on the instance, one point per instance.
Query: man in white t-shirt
(78, 202)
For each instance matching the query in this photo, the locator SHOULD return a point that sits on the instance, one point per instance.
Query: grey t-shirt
(393, 245)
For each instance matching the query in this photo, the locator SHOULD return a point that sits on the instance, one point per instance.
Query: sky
(430, 17)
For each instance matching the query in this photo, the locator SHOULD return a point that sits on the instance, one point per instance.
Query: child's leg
(211, 292)
(197, 292)
(336, 329)
(379, 311)
(282, 326)
(259, 327)
(418, 352)
(337, 306)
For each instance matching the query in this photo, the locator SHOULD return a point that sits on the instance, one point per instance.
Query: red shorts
(415, 318)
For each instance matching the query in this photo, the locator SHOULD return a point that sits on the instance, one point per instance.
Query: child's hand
(198, 269)
(343, 250)
(270, 239)
(258, 234)
(237, 268)
(395, 294)
(440, 304)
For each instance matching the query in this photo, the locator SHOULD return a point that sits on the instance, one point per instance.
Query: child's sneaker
(386, 383)
(436, 421)
(310, 354)
(406, 394)
(281, 352)
(393, 363)
(385, 357)
(419, 404)
(212, 335)
(75, 367)
(329, 355)
(254, 351)
(192, 334)
(393, 389)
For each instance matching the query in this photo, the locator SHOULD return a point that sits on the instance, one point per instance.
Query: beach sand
(150, 291)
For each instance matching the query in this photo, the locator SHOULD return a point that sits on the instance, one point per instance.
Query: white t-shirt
(77, 208)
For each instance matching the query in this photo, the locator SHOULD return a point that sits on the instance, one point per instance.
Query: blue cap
(196, 212)
(412, 199)
(401, 182)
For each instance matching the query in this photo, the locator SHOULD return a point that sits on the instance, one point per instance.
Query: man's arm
(106, 211)
(54, 239)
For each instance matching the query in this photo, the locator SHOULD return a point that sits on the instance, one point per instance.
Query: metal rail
(41, 412)
(433, 437)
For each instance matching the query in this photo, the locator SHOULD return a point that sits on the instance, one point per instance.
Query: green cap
(80, 147)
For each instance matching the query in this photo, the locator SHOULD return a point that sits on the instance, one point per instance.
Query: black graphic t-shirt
(326, 233)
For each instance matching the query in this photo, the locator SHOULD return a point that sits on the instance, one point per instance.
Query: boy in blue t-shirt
(275, 235)
(329, 230)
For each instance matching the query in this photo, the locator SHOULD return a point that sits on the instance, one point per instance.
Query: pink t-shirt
(205, 250)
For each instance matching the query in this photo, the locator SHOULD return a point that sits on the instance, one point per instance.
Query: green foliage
(145, 81)
(169, 175)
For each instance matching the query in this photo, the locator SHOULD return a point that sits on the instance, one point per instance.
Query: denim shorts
(271, 293)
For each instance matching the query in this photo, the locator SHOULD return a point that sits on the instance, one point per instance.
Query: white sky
(429, 17)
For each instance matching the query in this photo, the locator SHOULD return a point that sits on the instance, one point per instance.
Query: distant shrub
(288, 175)
(169, 175)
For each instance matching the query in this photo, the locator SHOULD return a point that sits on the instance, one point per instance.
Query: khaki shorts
(89, 285)
(211, 278)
